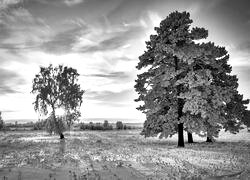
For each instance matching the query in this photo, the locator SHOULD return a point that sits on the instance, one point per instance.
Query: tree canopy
(57, 87)
(186, 84)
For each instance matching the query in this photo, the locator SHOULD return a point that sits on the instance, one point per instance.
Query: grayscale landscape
(124, 90)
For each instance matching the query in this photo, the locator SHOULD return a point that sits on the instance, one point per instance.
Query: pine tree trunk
(209, 135)
(190, 137)
(209, 140)
(180, 135)
(61, 136)
(180, 107)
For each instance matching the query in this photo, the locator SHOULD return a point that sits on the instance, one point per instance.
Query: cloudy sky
(102, 39)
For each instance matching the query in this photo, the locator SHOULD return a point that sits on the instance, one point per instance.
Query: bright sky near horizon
(102, 39)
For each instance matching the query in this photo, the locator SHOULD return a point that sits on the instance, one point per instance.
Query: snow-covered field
(121, 155)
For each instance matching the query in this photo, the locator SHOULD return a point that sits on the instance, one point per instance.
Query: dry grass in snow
(121, 155)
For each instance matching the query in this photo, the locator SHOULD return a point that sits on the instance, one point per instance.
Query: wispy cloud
(9, 81)
(7, 111)
(4, 4)
(111, 75)
(112, 39)
(63, 42)
(120, 98)
(73, 2)
(240, 54)
(244, 46)
(82, 38)
(56, 2)
(20, 30)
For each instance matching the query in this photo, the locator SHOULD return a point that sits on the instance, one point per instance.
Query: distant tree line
(49, 125)
(104, 126)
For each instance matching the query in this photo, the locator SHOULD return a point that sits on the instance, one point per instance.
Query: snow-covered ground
(121, 155)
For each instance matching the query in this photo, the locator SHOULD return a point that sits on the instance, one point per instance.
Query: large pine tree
(184, 84)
